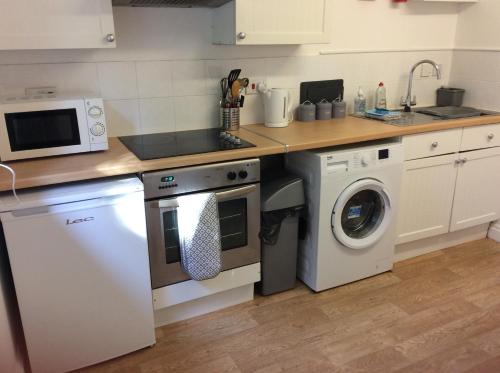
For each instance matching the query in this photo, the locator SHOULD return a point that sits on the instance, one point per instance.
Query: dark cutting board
(322, 89)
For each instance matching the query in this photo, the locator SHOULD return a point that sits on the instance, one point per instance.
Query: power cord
(13, 173)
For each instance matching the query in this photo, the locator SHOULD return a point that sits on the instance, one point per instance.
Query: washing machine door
(362, 214)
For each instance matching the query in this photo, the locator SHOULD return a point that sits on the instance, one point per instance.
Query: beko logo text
(82, 220)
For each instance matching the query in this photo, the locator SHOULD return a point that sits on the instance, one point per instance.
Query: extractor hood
(171, 3)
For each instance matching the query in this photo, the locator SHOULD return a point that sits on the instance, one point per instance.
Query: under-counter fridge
(12, 351)
(80, 267)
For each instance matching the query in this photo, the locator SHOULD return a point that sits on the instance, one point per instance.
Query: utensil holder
(230, 119)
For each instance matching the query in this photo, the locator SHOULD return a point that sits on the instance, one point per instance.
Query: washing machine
(349, 228)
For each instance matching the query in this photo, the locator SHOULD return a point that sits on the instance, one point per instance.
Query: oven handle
(234, 193)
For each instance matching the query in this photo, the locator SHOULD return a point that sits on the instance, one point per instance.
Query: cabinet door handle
(110, 38)
(458, 161)
(491, 136)
(242, 35)
(464, 160)
(435, 144)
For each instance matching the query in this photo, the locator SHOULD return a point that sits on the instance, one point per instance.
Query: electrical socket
(252, 85)
(36, 91)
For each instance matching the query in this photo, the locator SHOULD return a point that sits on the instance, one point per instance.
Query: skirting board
(204, 305)
(494, 231)
(428, 245)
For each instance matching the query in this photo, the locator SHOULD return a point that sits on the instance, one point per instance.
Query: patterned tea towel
(199, 235)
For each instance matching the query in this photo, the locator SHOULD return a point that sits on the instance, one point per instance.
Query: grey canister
(324, 110)
(339, 109)
(307, 111)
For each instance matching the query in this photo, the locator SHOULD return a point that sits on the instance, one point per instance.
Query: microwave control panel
(96, 120)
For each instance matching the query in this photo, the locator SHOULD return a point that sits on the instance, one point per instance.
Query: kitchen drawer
(481, 137)
(432, 143)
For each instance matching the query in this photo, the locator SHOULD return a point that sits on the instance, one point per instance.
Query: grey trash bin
(281, 201)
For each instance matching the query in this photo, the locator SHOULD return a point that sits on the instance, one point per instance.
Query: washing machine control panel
(370, 157)
(363, 158)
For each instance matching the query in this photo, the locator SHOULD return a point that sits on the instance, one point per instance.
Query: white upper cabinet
(56, 24)
(251, 22)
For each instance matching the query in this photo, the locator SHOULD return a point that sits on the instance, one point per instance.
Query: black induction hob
(171, 144)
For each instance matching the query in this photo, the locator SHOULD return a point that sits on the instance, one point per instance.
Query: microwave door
(53, 128)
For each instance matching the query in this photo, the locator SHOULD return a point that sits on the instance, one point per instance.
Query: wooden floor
(435, 313)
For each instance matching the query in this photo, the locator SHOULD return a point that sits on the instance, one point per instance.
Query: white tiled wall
(160, 96)
(479, 74)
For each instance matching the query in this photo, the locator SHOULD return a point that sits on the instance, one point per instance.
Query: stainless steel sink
(412, 119)
(422, 115)
(452, 112)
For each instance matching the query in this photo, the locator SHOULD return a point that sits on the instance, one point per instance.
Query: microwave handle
(234, 193)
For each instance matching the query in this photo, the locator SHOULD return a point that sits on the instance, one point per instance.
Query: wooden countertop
(319, 134)
(118, 160)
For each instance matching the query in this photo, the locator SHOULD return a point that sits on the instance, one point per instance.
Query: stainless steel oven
(237, 187)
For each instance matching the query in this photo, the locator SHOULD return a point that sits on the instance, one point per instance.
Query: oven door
(41, 129)
(239, 217)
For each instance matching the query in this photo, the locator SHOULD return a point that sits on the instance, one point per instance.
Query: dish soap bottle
(360, 103)
(381, 97)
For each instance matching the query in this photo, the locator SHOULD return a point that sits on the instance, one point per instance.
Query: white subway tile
(154, 79)
(157, 115)
(253, 110)
(195, 112)
(117, 80)
(122, 117)
(189, 78)
(67, 78)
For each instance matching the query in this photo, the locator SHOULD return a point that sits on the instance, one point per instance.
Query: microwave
(47, 126)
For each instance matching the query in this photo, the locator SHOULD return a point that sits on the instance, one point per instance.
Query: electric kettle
(277, 106)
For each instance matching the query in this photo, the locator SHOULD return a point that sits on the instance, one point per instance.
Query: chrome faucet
(408, 102)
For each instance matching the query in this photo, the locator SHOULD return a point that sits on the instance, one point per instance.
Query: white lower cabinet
(449, 192)
(476, 192)
(426, 197)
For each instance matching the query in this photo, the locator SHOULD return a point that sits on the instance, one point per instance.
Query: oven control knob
(231, 175)
(97, 129)
(243, 174)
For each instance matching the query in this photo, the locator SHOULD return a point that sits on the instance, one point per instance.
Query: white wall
(476, 62)
(478, 26)
(164, 74)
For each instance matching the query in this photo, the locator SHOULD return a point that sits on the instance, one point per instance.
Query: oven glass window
(42, 129)
(171, 234)
(233, 226)
(233, 223)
